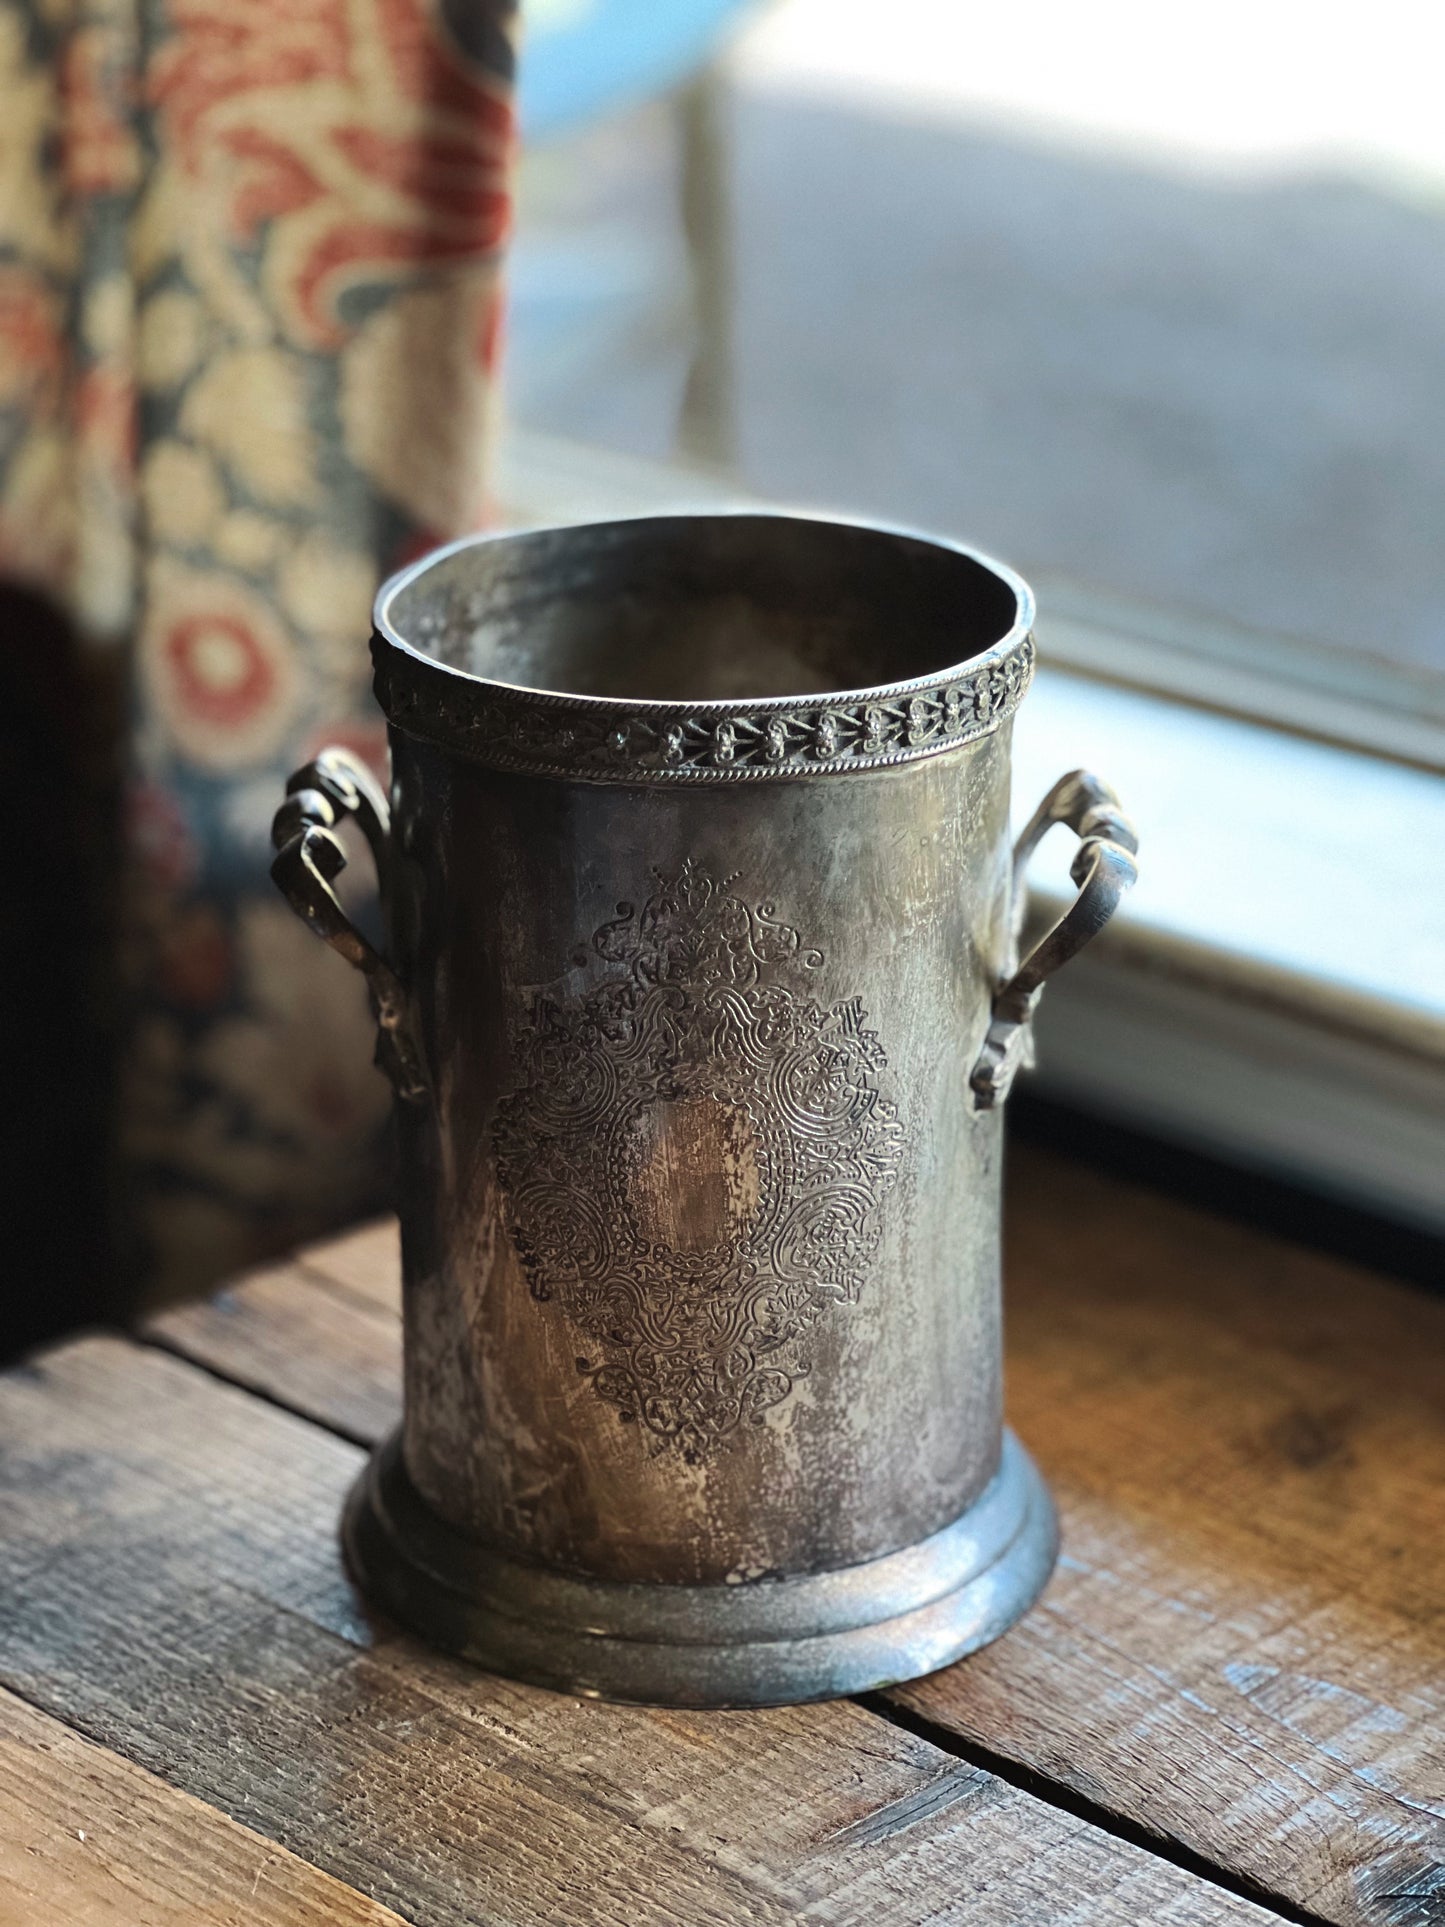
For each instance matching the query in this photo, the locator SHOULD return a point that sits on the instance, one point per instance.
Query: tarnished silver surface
(768, 1641)
(700, 992)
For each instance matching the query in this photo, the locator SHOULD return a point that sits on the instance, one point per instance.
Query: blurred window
(1146, 299)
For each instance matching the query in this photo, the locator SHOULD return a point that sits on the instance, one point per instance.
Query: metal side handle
(309, 856)
(1103, 868)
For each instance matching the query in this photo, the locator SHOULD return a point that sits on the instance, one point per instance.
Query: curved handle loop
(1103, 868)
(309, 856)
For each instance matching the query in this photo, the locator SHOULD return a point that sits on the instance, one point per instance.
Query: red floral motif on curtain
(350, 129)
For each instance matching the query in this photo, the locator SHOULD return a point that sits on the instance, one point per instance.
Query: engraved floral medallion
(694, 1164)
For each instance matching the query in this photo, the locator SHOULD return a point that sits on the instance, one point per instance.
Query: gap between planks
(83, 1830)
(1058, 1794)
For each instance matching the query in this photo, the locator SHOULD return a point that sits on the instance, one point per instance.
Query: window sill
(1273, 992)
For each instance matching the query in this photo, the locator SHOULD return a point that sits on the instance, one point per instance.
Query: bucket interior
(704, 608)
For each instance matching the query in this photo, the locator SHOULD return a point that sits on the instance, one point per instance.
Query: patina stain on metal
(697, 1164)
(700, 996)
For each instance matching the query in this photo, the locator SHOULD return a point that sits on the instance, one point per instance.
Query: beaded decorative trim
(605, 740)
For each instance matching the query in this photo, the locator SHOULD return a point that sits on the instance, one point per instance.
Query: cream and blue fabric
(250, 309)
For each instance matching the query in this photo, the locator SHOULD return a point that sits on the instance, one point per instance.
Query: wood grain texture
(305, 1338)
(1244, 1647)
(172, 1589)
(89, 1840)
(366, 1261)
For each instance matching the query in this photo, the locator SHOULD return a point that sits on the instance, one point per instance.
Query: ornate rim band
(613, 739)
(607, 739)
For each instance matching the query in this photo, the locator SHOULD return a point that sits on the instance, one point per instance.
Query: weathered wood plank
(172, 1589)
(1245, 1645)
(301, 1336)
(366, 1261)
(88, 1839)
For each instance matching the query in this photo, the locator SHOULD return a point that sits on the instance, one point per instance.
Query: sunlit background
(1245, 87)
(1149, 298)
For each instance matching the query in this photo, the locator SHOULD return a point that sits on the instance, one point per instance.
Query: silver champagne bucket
(700, 996)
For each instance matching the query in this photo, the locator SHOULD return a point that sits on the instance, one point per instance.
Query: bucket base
(764, 1642)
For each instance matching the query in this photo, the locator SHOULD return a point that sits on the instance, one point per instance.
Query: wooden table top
(1227, 1708)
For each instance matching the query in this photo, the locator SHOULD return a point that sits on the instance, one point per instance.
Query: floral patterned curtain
(249, 321)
